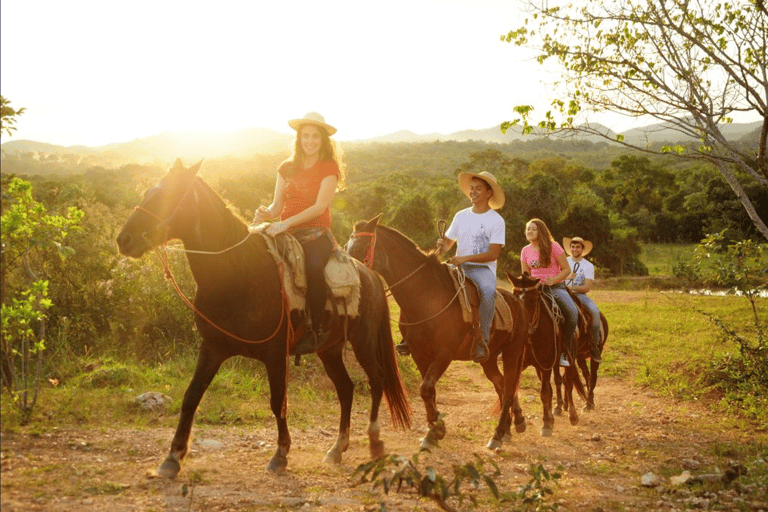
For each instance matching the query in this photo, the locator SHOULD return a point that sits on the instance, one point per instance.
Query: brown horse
(583, 352)
(240, 310)
(545, 346)
(431, 320)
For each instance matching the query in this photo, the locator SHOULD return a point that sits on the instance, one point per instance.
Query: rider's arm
(583, 288)
(492, 254)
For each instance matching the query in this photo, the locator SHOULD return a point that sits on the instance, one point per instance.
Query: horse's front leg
(591, 378)
(570, 374)
(277, 368)
(546, 401)
(436, 424)
(208, 363)
(333, 363)
(558, 411)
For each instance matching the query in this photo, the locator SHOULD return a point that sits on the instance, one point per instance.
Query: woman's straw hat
(465, 182)
(312, 118)
(584, 243)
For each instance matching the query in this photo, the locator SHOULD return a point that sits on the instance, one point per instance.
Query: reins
(162, 255)
(369, 255)
(535, 318)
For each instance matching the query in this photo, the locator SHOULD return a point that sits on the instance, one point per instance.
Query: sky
(93, 72)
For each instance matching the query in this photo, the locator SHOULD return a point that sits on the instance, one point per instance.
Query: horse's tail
(396, 395)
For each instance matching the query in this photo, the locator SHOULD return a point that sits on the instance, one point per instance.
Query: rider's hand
(276, 228)
(441, 243)
(262, 214)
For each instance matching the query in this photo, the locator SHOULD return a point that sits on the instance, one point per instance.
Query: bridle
(368, 260)
(536, 317)
(369, 255)
(162, 255)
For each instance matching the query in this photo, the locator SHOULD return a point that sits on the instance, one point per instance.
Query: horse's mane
(232, 227)
(406, 244)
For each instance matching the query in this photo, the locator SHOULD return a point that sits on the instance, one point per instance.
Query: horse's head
(154, 219)
(362, 241)
(527, 289)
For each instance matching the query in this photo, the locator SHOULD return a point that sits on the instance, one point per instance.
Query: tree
(8, 116)
(690, 64)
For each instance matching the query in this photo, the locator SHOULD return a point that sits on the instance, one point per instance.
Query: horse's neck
(220, 250)
(412, 274)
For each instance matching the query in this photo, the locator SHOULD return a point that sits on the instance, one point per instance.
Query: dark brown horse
(431, 320)
(545, 346)
(583, 343)
(239, 310)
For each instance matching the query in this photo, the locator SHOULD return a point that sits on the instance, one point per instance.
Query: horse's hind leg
(333, 363)
(573, 416)
(208, 364)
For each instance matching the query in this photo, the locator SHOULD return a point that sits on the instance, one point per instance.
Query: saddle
(341, 276)
(470, 302)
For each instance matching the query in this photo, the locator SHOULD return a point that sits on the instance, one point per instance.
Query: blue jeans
(570, 312)
(592, 307)
(485, 280)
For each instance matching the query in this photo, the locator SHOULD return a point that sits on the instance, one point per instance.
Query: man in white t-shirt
(580, 282)
(479, 232)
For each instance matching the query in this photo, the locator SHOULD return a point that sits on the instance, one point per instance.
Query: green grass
(661, 258)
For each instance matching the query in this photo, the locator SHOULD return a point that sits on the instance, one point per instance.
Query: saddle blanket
(341, 276)
(502, 315)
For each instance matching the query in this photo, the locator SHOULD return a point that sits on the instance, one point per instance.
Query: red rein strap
(368, 261)
(285, 306)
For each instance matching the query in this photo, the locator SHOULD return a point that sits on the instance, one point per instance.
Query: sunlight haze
(95, 72)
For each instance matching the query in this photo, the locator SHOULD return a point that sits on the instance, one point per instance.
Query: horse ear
(193, 169)
(371, 225)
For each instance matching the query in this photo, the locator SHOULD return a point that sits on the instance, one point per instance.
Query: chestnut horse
(545, 346)
(240, 309)
(431, 320)
(583, 352)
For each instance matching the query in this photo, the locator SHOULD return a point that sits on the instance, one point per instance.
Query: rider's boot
(479, 351)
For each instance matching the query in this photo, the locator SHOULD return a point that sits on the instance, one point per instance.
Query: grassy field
(657, 339)
(661, 258)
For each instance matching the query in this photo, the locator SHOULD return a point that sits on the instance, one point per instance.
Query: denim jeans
(594, 329)
(570, 312)
(485, 280)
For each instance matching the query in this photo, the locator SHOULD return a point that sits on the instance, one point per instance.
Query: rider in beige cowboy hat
(580, 282)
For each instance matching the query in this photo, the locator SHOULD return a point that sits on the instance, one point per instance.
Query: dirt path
(604, 458)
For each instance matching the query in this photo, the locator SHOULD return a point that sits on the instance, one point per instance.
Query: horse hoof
(494, 445)
(169, 468)
(520, 427)
(437, 430)
(557, 411)
(429, 445)
(546, 432)
(277, 464)
(588, 407)
(332, 457)
(574, 421)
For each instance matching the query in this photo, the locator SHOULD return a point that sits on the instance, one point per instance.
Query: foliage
(8, 116)
(29, 236)
(689, 65)
(398, 473)
(741, 265)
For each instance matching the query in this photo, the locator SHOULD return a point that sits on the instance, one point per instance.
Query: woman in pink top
(544, 258)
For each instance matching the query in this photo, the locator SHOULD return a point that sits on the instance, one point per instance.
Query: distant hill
(166, 147)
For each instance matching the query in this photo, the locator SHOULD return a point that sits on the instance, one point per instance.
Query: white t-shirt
(475, 232)
(583, 269)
